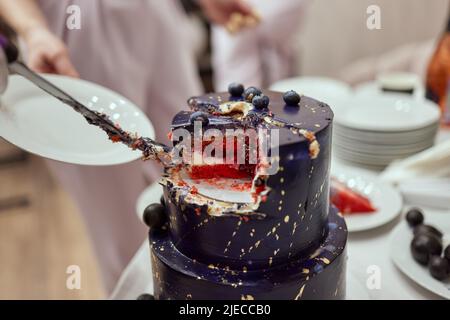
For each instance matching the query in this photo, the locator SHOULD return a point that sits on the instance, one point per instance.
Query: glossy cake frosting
(286, 244)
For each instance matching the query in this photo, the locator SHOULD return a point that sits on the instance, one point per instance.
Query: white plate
(377, 155)
(39, 123)
(323, 89)
(362, 163)
(383, 196)
(367, 159)
(401, 255)
(388, 138)
(381, 150)
(387, 142)
(374, 88)
(387, 113)
(381, 145)
(404, 136)
(397, 142)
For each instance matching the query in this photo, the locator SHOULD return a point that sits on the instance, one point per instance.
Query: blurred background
(331, 42)
(41, 232)
(333, 35)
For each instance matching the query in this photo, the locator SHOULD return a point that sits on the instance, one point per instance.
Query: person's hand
(47, 53)
(233, 14)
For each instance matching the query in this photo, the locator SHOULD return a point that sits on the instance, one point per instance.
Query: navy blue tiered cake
(286, 243)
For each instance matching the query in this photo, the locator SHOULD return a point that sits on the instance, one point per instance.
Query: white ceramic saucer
(386, 113)
(387, 201)
(400, 253)
(39, 123)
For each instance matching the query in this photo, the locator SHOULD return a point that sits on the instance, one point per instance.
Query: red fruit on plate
(348, 201)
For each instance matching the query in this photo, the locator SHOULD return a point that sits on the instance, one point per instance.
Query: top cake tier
(285, 216)
(310, 114)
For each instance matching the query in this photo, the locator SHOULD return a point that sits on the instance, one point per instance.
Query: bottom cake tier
(318, 276)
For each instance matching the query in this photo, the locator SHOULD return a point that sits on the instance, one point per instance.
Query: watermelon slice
(349, 201)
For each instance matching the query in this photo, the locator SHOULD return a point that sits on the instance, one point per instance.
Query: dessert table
(368, 258)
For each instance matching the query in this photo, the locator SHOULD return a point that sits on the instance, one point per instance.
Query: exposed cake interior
(223, 179)
(236, 173)
(217, 166)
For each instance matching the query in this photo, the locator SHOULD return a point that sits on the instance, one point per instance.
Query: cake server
(150, 148)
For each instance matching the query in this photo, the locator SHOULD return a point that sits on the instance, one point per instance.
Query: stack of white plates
(374, 130)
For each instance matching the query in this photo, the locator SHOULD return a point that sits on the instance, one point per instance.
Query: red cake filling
(225, 170)
(222, 171)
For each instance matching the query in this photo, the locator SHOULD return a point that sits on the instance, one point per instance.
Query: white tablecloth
(365, 249)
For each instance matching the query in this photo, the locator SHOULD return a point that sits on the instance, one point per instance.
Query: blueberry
(414, 217)
(199, 116)
(423, 246)
(154, 215)
(250, 93)
(447, 253)
(439, 268)
(427, 229)
(146, 296)
(261, 102)
(236, 89)
(291, 98)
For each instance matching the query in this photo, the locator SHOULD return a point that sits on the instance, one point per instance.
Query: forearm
(22, 15)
